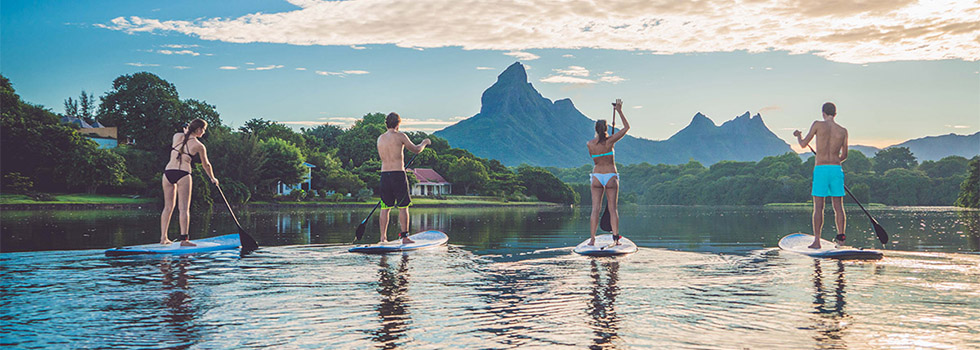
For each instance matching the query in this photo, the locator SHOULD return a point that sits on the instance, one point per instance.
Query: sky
(897, 69)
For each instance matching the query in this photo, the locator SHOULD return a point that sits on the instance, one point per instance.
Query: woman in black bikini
(177, 183)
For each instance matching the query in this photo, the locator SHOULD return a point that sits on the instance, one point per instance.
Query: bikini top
(181, 153)
(604, 154)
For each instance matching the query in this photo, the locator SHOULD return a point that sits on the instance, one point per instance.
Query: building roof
(428, 176)
(309, 165)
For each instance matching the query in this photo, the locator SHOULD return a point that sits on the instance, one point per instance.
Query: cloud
(958, 126)
(179, 46)
(355, 47)
(523, 56)
(181, 67)
(269, 67)
(773, 108)
(228, 67)
(568, 56)
(181, 52)
(561, 79)
(612, 79)
(408, 124)
(637, 107)
(141, 64)
(300, 68)
(342, 73)
(842, 31)
(485, 68)
(575, 71)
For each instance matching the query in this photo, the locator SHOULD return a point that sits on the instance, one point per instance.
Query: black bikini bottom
(174, 175)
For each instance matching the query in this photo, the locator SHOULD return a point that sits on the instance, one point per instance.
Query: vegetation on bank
(97, 199)
(41, 155)
(892, 177)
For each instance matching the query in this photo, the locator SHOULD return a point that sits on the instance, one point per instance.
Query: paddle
(879, 231)
(360, 228)
(604, 223)
(248, 243)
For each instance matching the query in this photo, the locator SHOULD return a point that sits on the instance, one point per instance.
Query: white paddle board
(605, 246)
(231, 241)
(800, 242)
(425, 239)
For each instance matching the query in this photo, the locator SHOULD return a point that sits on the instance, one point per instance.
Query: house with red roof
(430, 183)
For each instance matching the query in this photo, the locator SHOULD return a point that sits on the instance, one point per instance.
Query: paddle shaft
(229, 208)
(248, 243)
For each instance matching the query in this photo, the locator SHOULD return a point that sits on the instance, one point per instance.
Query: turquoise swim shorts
(828, 181)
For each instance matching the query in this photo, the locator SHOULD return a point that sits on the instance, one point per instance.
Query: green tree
(946, 167)
(86, 107)
(193, 109)
(323, 137)
(856, 162)
(284, 163)
(544, 185)
(145, 108)
(239, 157)
(469, 173)
(894, 157)
(360, 143)
(970, 188)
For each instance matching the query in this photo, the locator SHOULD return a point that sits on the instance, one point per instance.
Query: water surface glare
(507, 280)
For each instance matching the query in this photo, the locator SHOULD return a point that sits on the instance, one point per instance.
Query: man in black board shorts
(394, 182)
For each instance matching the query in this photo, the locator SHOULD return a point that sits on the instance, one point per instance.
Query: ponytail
(600, 129)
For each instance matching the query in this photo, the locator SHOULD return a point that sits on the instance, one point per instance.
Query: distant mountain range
(934, 147)
(517, 125)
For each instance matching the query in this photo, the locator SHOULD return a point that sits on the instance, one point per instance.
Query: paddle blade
(880, 232)
(248, 243)
(359, 233)
(604, 223)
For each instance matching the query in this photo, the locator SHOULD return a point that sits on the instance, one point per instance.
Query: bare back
(180, 156)
(391, 149)
(831, 142)
(605, 164)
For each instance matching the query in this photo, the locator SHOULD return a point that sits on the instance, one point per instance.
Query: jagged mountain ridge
(516, 125)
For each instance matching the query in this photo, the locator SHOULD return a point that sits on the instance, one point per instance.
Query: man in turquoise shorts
(828, 177)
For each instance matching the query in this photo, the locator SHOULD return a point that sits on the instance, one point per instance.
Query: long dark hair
(600, 129)
(192, 128)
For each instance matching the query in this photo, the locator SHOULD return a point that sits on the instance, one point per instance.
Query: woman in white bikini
(604, 177)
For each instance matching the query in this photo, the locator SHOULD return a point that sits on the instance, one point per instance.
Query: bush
(336, 197)
(364, 194)
(17, 183)
(42, 197)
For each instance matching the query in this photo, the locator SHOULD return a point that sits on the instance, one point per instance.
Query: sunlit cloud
(356, 72)
(612, 79)
(179, 46)
(843, 31)
(181, 67)
(300, 68)
(355, 47)
(269, 67)
(485, 68)
(637, 107)
(141, 64)
(407, 124)
(228, 67)
(523, 56)
(575, 71)
(342, 73)
(179, 52)
(772, 108)
(561, 79)
(568, 56)
(958, 126)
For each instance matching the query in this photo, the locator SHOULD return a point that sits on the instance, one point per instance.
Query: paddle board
(798, 243)
(604, 246)
(425, 239)
(231, 241)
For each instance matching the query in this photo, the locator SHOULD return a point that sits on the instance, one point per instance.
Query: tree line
(40, 155)
(892, 177)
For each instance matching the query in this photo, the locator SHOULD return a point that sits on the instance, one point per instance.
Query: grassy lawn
(77, 198)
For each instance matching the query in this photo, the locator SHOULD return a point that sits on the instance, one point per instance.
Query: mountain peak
(514, 74)
(700, 119)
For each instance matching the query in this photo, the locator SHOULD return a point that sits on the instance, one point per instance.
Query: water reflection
(602, 308)
(394, 316)
(179, 305)
(831, 320)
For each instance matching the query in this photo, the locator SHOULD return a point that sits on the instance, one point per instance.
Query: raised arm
(413, 147)
(804, 141)
(626, 124)
(206, 164)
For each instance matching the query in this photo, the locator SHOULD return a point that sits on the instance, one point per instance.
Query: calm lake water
(704, 277)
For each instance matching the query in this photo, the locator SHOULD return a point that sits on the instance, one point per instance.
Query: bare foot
(815, 246)
(166, 242)
(592, 241)
(187, 244)
(406, 240)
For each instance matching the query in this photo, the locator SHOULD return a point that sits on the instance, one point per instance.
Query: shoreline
(156, 206)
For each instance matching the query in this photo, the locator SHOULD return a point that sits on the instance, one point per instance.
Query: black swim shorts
(394, 187)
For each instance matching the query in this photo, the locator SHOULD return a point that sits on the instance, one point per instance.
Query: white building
(305, 184)
(430, 183)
